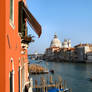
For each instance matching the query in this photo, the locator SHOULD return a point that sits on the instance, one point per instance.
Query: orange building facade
(14, 61)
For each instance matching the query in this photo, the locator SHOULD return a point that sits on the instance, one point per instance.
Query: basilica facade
(56, 45)
(57, 49)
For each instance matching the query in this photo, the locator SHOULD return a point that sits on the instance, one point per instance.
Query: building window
(19, 75)
(11, 82)
(11, 76)
(19, 80)
(12, 13)
(11, 10)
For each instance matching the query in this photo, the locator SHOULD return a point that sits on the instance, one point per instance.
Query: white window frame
(12, 21)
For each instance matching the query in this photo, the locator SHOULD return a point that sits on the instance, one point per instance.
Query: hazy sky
(70, 19)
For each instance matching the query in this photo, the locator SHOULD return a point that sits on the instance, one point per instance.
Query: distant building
(82, 52)
(66, 44)
(55, 42)
(55, 46)
(89, 56)
(64, 52)
(59, 51)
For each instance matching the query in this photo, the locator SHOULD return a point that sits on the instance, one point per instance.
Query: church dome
(55, 42)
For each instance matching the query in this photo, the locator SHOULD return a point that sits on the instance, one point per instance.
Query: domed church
(55, 42)
(55, 46)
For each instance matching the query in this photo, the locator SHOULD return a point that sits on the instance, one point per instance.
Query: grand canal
(76, 75)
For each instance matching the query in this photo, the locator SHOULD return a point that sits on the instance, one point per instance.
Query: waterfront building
(81, 51)
(58, 52)
(55, 42)
(55, 46)
(66, 54)
(66, 43)
(13, 44)
(89, 56)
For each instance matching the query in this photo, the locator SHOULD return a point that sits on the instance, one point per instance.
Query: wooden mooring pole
(65, 86)
(51, 81)
(36, 83)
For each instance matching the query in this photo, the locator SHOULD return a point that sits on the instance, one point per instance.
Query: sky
(69, 19)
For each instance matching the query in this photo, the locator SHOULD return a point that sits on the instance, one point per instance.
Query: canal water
(77, 75)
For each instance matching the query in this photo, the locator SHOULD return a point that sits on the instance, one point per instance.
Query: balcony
(26, 39)
(24, 17)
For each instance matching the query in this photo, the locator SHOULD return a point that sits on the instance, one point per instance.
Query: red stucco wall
(9, 35)
(15, 46)
(2, 46)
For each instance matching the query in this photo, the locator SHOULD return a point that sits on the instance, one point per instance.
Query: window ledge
(12, 24)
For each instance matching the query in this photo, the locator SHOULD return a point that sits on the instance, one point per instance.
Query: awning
(30, 18)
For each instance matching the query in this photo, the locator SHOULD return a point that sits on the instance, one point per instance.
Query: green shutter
(11, 10)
